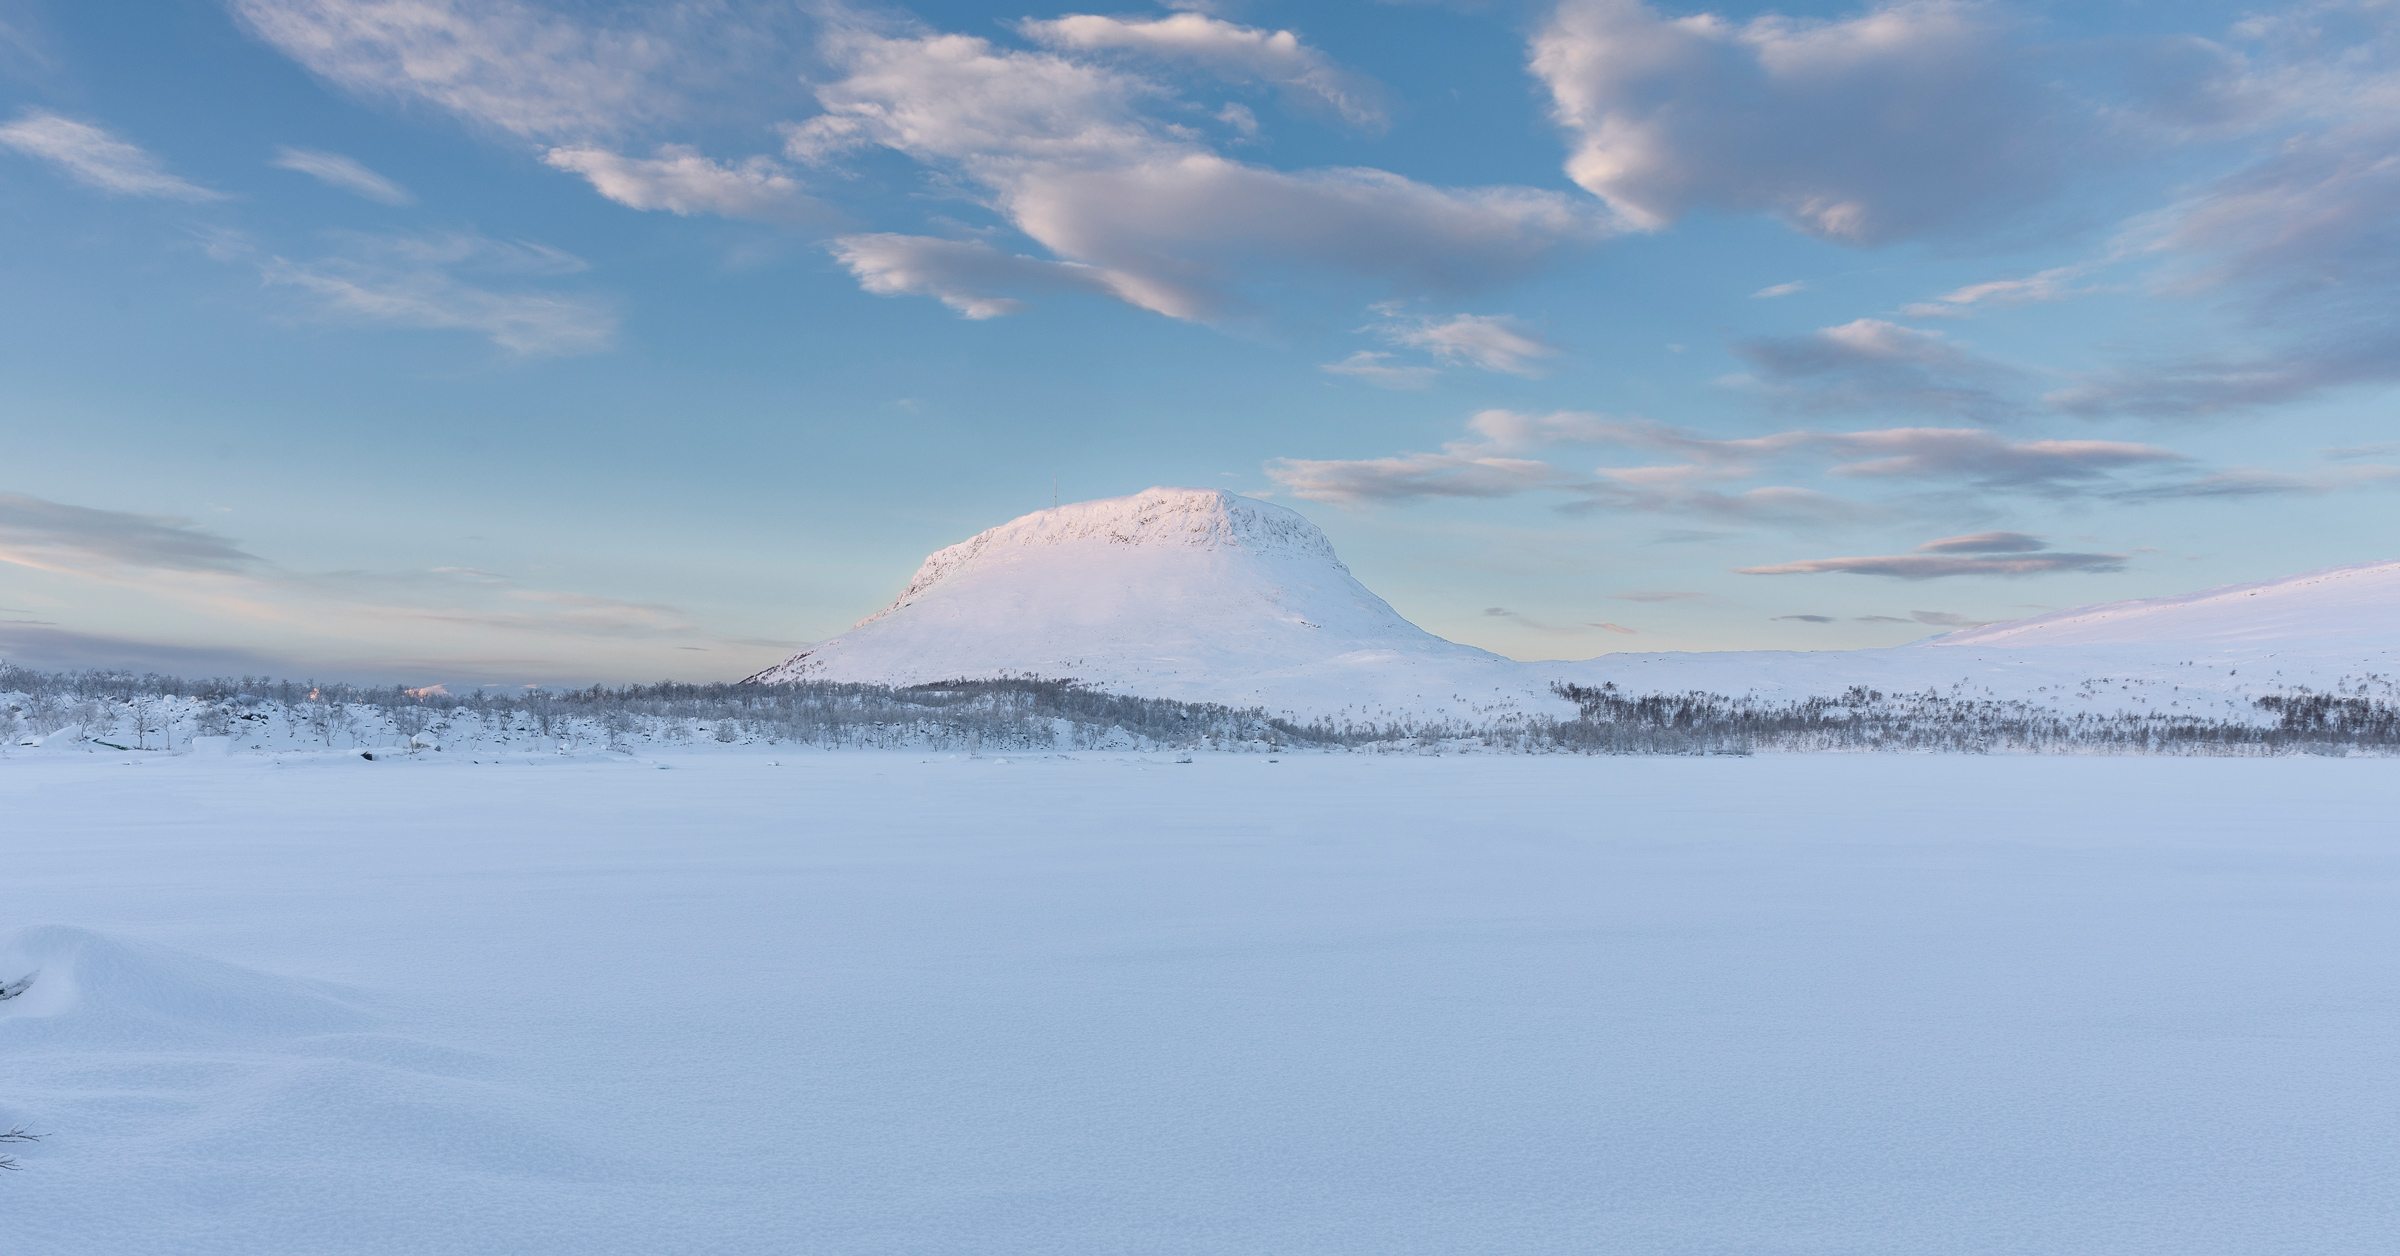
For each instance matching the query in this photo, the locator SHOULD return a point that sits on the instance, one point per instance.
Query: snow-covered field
(876, 1003)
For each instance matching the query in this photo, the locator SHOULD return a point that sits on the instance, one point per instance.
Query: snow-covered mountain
(2345, 612)
(2206, 654)
(1193, 594)
(1204, 596)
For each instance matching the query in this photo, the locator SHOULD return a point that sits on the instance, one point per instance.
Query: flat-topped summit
(1160, 516)
(1201, 518)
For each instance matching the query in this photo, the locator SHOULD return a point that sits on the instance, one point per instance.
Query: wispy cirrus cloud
(2304, 245)
(969, 276)
(572, 83)
(1454, 472)
(1779, 505)
(219, 590)
(348, 174)
(1871, 364)
(1987, 460)
(1524, 620)
(54, 648)
(2054, 284)
(1930, 619)
(680, 180)
(25, 47)
(1384, 370)
(1490, 342)
(1229, 49)
(56, 536)
(1980, 554)
(1507, 453)
(502, 64)
(2237, 482)
(97, 158)
(1490, 462)
(456, 281)
(2301, 244)
(1971, 456)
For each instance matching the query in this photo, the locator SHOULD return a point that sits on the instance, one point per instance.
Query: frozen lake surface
(875, 1004)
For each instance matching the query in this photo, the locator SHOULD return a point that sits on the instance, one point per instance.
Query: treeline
(148, 711)
(1614, 722)
(151, 712)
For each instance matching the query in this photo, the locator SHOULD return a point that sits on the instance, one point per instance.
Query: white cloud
(498, 63)
(2302, 244)
(681, 181)
(1871, 364)
(1382, 370)
(1772, 291)
(1453, 472)
(1516, 430)
(2260, 482)
(55, 536)
(1224, 48)
(969, 276)
(1907, 118)
(2054, 284)
(1066, 152)
(1489, 341)
(97, 159)
(24, 46)
(940, 97)
(1982, 554)
(335, 170)
(1489, 463)
(1492, 342)
(1975, 456)
(455, 282)
(1497, 457)
(210, 585)
(1181, 228)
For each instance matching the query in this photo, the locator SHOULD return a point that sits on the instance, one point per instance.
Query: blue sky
(512, 341)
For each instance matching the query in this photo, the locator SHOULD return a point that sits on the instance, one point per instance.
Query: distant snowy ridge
(2352, 609)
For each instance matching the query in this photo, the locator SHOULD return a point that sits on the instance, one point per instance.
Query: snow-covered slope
(1193, 594)
(2206, 654)
(2347, 610)
(1200, 595)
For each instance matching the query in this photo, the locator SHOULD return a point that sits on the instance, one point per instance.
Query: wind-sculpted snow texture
(1204, 596)
(755, 1005)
